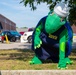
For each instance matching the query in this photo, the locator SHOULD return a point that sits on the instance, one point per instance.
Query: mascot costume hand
(52, 38)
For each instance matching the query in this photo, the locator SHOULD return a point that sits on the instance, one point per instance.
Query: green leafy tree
(72, 15)
(71, 3)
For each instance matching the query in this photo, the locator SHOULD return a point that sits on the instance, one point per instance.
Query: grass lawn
(19, 60)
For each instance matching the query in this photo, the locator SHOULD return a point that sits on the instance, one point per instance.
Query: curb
(37, 72)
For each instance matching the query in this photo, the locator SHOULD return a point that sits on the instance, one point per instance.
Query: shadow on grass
(23, 54)
(19, 54)
(73, 53)
(74, 59)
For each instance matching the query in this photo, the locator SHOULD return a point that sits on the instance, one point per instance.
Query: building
(74, 28)
(6, 24)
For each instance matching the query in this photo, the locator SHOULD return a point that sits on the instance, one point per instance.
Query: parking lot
(14, 45)
(19, 45)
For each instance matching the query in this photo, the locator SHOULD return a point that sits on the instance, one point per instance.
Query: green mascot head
(56, 19)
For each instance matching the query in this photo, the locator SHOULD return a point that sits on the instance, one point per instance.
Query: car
(27, 37)
(74, 37)
(30, 29)
(21, 33)
(1, 38)
(12, 35)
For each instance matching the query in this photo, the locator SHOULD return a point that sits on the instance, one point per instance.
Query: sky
(21, 15)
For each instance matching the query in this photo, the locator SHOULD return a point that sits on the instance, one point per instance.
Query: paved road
(15, 45)
(74, 45)
(18, 45)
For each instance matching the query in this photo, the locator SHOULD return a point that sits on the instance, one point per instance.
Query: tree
(72, 15)
(71, 3)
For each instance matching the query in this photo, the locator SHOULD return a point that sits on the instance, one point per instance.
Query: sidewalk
(38, 72)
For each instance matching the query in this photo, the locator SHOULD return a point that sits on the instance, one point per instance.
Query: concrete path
(38, 72)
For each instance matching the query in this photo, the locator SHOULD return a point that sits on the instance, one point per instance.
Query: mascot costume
(52, 38)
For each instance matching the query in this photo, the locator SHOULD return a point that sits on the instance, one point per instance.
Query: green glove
(62, 63)
(68, 61)
(37, 42)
